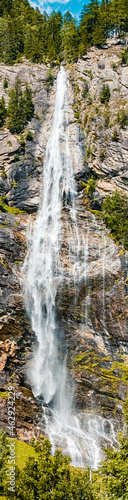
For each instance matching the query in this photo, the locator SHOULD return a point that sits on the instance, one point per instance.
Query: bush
(124, 57)
(5, 84)
(49, 80)
(2, 111)
(102, 154)
(20, 108)
(106, 119)
(29, 135)
(113, 65)
(115, 136)
(105, 94)
(76, 115)
(16, 157)
(115, 214)
(122, 118)
(91, 186)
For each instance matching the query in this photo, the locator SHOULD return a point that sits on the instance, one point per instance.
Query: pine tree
(2, 111)
(20, 108)
(69, 36)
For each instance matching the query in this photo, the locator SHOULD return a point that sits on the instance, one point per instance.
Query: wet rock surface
(91, 311)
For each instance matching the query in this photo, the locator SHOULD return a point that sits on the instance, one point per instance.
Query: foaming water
(79, 434)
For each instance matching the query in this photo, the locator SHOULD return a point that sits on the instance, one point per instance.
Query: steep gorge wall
(94, 314)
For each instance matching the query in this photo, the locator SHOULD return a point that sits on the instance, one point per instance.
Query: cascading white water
(42, 275)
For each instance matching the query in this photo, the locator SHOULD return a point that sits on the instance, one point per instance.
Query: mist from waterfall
(79, 434)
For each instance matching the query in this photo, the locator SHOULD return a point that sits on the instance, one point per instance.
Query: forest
(43, 38)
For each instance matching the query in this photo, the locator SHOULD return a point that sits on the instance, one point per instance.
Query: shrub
(105, 94)
(2, 111)
(113, 65)
(16, 157)
(115, 136)
(49, 80)
(124, 57)
(88, 151)
(102, 154)
(106, 119)
(122, 118)
(115, 214)
(76, 115)
(5, 83)
(90, 186)
(29, 135)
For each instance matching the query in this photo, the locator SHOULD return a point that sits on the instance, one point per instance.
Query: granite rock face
(91, 310)
(107, 157)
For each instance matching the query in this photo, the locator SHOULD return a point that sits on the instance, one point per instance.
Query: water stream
(79, 434)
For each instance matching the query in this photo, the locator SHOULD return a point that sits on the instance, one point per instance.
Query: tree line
(44, 477)
(42, 38)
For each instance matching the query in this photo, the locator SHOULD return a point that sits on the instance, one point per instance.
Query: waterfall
(79, 434)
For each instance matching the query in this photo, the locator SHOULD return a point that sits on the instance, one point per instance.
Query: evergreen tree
(2, 111)
(69, 36)
(20, 108)
(105, 93)
(114, 472)
(47, 477)
(90, 21)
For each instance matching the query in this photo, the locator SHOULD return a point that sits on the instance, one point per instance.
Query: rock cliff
(93, 312)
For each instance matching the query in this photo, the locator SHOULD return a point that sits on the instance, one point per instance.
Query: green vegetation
(106, 118)
(16, 157)
(40, 476)
(28, 135)
(49, 81)
(2, 111)
(20, 108)
(91, 186)
(114, 472)
(124, 57)
(122, 117)
(115, 215)
(102, 154)
(3, 456)
(69, 38)
(85, 89)
(105, 94)
(4, 207)
(115, 136)
(42, 38)
(5, 84)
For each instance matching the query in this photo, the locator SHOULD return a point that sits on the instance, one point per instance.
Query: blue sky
(63, 5)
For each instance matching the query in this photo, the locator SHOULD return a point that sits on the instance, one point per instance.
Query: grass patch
(23, 452)
(4, 207)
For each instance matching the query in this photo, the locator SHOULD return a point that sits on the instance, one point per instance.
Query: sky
(74, 7)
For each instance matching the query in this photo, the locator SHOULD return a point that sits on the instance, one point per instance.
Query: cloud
(48, 5)
(61, 5)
